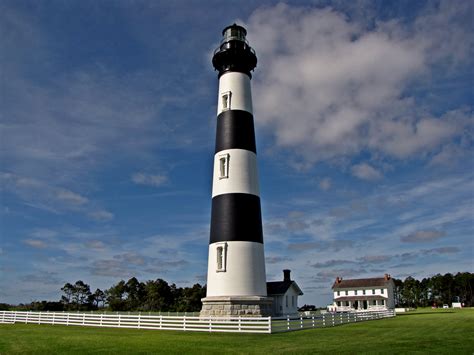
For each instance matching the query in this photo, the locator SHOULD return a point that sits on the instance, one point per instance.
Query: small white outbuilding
(285, 295)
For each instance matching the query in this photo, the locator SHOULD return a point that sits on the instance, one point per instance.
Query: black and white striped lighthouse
(236, 281)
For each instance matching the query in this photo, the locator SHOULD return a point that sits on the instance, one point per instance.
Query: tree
(158, 295)
(135, 294)
(97, 297)
(116, 296)
(81, 294)
(68, 290)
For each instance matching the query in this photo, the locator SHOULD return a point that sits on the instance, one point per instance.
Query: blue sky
(363, 116)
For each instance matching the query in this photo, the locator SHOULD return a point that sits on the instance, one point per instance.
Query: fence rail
(186, 323)
(325, 320)
(142, 321)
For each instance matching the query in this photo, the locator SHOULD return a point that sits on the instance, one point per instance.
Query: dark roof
(280, 287)
(359, 298)
(373, 282)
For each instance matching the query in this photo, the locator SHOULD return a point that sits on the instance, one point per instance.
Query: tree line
(131, 295)
(435, 291)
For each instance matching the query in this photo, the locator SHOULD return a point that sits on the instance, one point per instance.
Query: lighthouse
(236, 281)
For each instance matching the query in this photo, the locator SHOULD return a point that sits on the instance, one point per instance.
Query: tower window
(221, 253)
(226, 100)
(224, 166)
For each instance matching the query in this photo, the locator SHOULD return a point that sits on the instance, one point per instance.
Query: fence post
(161, 321)
(119, 316)
(301, 321)
(240, 323)
(139, 319)
(3, 316)
(312, 322)
(210, 324)
(324, 320)
(184, 323)
(39, 318)
(83, 318)
(340, 318)
(54, 316)
(27, 315)
(101, 318)
(67, 320)
(333, 323)
(288, 321)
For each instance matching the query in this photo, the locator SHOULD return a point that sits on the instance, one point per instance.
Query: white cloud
(71, 197)
(365, 172)
(101, 215)
(36, 243)
(325, 184)
(149, 179)
(329, 87)
(424, 236)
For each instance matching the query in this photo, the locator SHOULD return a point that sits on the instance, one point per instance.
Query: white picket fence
(142, 321)
(286, 324)
(186, 323)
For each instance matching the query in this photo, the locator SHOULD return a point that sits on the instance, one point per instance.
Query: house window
(292, 301)
(339, 303)
(374, 302)
(226, 100)
(338, 293)
(373, 292)
(355, 292)
(363, 292)
(221, 253)
(347, 303)
(382, 291)
(286, 298)
(383, 302)
(347, 292)
(224, 166)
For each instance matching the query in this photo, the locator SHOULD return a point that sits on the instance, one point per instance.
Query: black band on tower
(235, 130)
(236, 217)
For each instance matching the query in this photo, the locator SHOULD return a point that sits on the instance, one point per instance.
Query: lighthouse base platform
(228, 306)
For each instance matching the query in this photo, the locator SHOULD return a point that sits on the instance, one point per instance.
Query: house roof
(359, 298)
(372, 282)
(280, 287)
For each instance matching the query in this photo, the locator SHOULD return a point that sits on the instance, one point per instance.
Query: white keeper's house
(372, 294)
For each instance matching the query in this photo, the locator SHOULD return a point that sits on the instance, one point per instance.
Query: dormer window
(224, 166)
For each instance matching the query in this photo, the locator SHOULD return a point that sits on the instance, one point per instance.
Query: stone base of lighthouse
(228, 306)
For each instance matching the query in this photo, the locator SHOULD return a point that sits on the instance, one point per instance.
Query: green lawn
(423, 331)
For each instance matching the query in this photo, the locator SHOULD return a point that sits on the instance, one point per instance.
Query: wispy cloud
(425, 236)
(365, 172)
(155, 180)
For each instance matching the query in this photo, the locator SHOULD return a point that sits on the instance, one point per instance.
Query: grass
(423, 331)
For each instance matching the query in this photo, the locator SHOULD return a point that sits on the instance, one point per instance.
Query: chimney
(286, 275)
(338, 280)
(387, 277)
